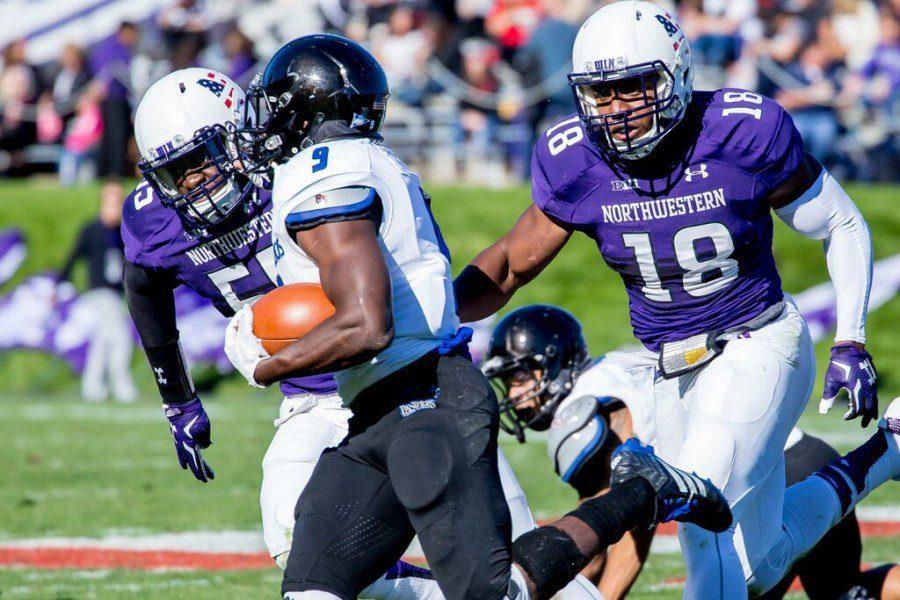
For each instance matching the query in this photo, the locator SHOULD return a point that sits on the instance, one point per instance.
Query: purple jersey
(688, 229)
(230, 268)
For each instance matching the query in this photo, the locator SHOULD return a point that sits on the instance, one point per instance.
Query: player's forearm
(825, 212)
(339, 342)
(152, 307)
(484, 286)
(623, 565)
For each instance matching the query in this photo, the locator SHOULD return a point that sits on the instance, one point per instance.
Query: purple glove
(851, 368)
(191, 429)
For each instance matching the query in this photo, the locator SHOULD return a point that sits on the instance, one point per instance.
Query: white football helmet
(632, 39)
(184, 126)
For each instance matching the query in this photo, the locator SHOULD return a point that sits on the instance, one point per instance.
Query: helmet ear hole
(687, 73)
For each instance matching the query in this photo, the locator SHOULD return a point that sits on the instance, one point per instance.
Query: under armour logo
(159, 375)
(689, 173)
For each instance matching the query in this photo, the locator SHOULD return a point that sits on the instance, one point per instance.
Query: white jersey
(626, 377)
(424, 308)
(578, 431)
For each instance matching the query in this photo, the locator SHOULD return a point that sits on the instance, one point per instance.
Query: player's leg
(740, 411)
(644, 491)
(832, 567)
(523, 522)
(442, 459)
(816, 504)
(350, 528)
(304, 429)
(306, 426)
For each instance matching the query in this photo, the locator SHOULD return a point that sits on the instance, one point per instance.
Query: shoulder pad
(143, 215)
(340, 162)
(341, 204)
(576, 435)
(754, 133)
(561, 154)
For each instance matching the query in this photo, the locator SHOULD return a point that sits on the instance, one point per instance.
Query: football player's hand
(191, 430)
(242, 347)
(851, 368)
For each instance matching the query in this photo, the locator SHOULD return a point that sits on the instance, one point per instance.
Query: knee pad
(550, 558)
(422, 462)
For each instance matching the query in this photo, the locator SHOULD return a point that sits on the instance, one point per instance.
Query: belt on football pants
(683, 356)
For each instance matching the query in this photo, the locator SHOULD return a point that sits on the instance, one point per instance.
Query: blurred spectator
(110, 64)
(855, 27)
(403, 50)
(99, 244)
(18, 92)
(78, 161)
(511, 22)
(239, 52)
(551, 45)
(476, 123)
(878, 81)
(810, 103)
(183, 21)
(70, 80)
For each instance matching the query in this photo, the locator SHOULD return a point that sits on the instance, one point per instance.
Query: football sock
(625, 507)
(854, 475)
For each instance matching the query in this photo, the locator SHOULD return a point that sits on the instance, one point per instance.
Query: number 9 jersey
(343, 179)
(688, 228)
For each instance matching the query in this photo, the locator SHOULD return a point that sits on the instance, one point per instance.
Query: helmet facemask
(651, 86)
(208, 163)
(528, 390)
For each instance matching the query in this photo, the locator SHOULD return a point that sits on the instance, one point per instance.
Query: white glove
(242, 347)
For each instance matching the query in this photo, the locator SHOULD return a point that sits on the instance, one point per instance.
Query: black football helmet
(314, 88)
(538, 339)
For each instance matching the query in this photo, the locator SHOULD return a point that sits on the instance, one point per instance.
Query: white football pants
(729, 422)
(309, 424)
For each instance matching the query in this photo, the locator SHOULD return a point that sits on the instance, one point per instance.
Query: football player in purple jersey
(677, 188)
(196, 220)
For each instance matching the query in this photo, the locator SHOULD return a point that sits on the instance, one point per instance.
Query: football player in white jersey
(421, 453)
(537, 357)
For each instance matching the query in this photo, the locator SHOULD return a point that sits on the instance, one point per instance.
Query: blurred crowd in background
(473, 81)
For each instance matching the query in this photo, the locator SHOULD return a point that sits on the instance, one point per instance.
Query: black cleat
(681, 496)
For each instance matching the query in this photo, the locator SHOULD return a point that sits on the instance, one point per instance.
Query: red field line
(151, 560)
(96, 558)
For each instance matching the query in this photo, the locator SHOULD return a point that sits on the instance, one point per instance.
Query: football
(288, 313)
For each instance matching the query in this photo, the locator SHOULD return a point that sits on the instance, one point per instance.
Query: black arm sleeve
(152, 306)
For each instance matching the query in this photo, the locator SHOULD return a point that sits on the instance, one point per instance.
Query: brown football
(288, 313)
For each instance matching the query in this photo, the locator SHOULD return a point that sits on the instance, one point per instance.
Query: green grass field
(71, 469)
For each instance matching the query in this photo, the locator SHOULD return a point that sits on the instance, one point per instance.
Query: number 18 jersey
(689, 228)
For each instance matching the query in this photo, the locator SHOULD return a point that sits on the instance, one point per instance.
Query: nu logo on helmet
(700, 171)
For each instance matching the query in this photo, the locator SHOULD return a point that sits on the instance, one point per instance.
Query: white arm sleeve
(825, 212)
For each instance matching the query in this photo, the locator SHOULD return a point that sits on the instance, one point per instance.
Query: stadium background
(92, 503)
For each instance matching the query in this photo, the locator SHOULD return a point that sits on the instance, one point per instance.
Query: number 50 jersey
(689, 228)
(232, 267)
